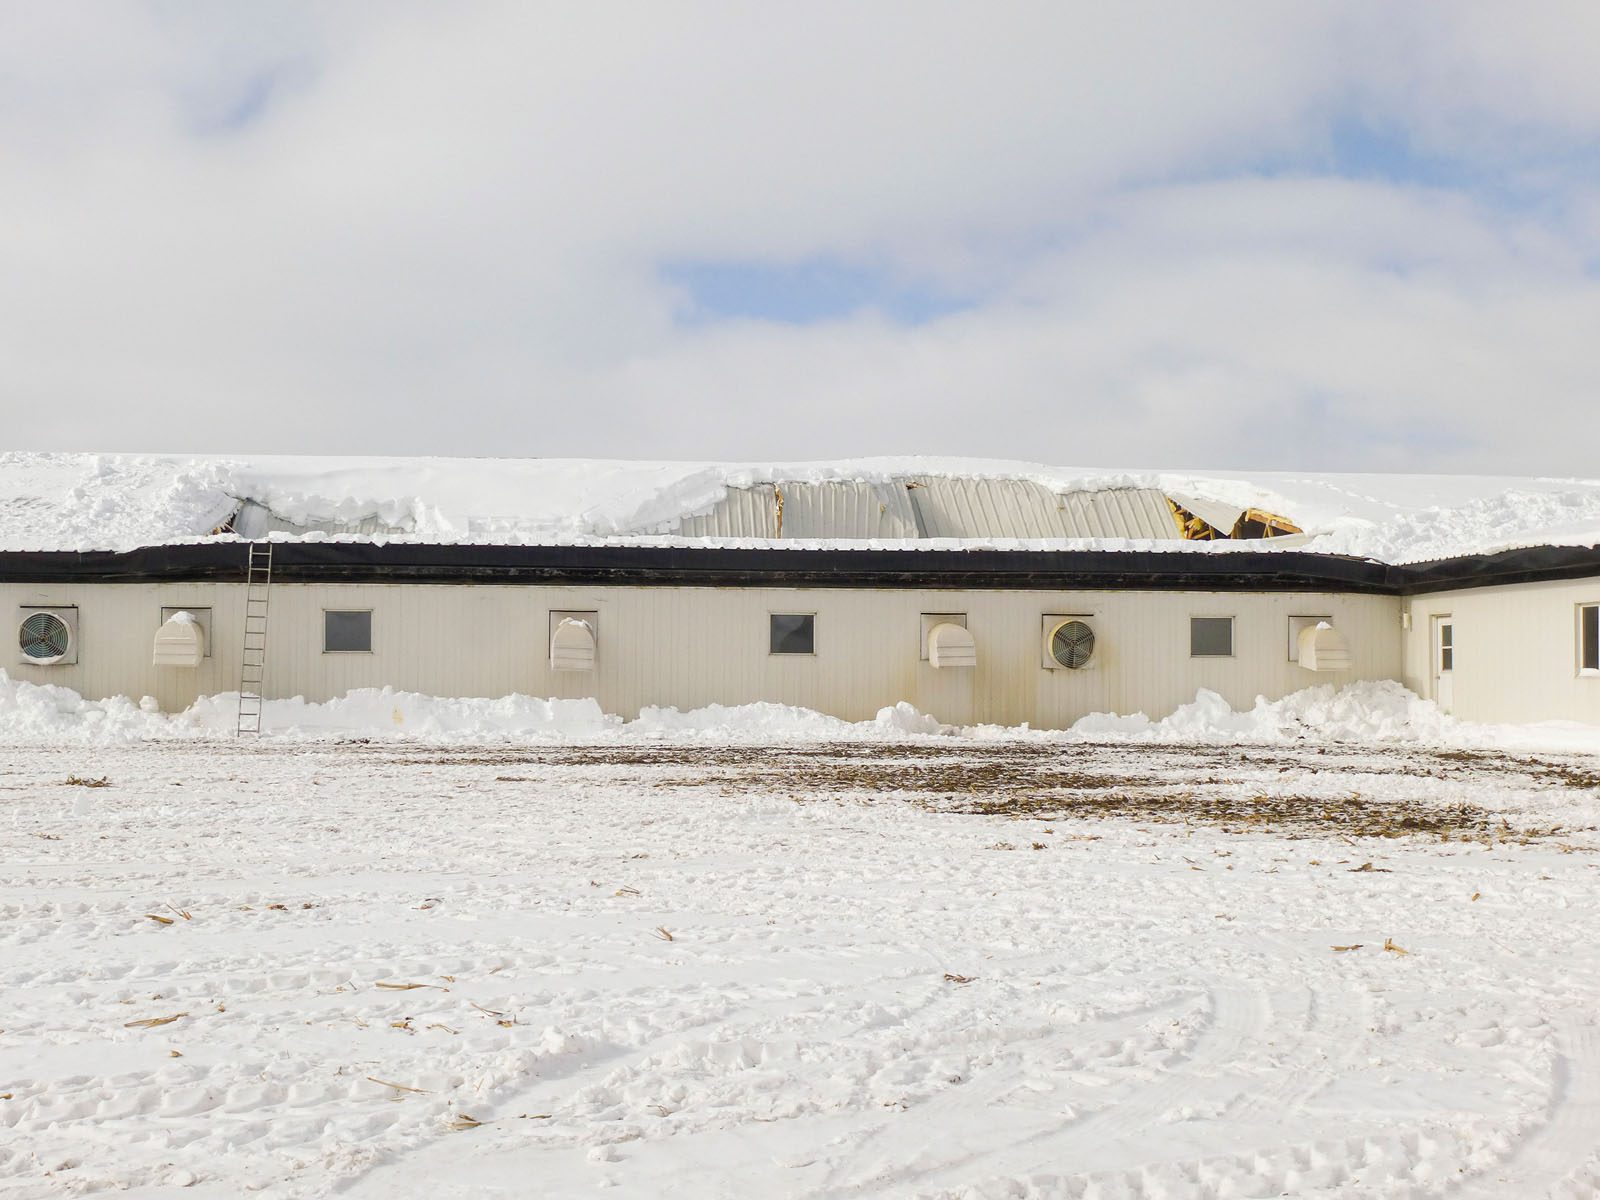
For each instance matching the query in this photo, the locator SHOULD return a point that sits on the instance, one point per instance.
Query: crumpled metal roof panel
(932, 507)
(843, 509)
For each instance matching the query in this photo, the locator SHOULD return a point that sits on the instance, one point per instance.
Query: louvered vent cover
(1072, 644)
(44, 638)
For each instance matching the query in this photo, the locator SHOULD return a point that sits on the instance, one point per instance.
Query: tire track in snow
(1561, 1158)
(1236, 1014)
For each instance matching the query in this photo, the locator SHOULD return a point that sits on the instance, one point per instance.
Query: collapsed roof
(115, 502)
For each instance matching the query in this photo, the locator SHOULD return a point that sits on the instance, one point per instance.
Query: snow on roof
(58, 501)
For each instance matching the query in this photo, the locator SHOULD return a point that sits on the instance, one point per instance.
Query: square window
(1210, 637)
(792, 633)
(347, 631)
(1589, 638)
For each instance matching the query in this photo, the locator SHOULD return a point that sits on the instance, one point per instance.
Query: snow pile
(385, 710)
(718, 722)
(1371, 712)
(44, 712)
(905, 718)
(766, 722)
(1375, 711)
(32, 712)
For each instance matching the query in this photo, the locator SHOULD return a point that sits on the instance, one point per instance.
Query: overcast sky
(1307, 236)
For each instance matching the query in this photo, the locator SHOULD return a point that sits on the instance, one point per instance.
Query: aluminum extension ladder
(253, 657)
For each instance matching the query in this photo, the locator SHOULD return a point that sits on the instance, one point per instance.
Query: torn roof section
(924, 507)
(80, 502)
(912, 509)
(252, 519)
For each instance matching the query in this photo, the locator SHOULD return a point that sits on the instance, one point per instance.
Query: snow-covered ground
(883, 965)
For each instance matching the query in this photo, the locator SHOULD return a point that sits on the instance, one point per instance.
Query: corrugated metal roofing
(1120, 512)
(742, 512)
(847, 510)
(1012, 508)
(810, 510)
(998, 508)
(933, 507)
(255, 520)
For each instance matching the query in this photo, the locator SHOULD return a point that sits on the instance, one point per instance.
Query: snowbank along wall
(692, 646)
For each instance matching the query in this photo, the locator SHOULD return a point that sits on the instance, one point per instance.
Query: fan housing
(1069, 643)
(47, 637)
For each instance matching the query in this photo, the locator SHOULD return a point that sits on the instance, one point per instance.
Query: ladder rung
(253, 651)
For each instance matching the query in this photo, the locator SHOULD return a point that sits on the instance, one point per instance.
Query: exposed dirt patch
(1296, 790)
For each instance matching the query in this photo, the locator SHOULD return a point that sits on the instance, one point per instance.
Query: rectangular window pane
(1210, 637)
(1447, 635)
(793, 633)
(1591, 637)
(1447, 659)
(346, 632)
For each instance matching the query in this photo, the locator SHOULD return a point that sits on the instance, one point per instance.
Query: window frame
(811, 616)
(1233, 634)
(371, 641)
(1585, 671)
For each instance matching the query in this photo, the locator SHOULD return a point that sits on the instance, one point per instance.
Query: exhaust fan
(1069, 643)
(48, 636)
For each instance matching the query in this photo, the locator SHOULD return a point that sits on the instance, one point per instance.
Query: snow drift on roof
(118, 501)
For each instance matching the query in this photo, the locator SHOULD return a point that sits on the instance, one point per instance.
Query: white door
(1444, 662)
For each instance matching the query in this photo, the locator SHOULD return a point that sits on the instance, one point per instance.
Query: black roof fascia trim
(1532, 564)
(672, 566)
(663, 566)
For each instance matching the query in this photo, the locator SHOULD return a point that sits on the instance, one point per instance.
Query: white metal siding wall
(117, 626)
(1516, 651)
(695, 646)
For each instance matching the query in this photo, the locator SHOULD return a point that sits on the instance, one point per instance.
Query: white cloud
(421, 228)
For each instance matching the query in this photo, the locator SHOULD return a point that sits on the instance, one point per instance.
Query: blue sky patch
(804, 293)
